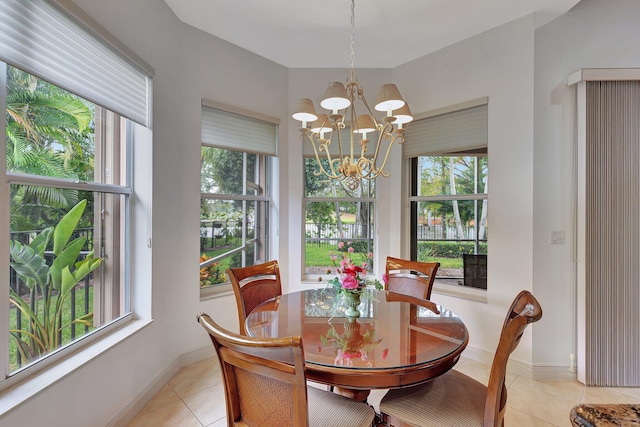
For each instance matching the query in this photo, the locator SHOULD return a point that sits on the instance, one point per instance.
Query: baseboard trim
(538, 372)
(549, 372)
(136, 405)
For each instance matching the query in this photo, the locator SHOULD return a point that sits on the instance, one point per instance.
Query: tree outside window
(234, 209)
(335, 214)
(449, 212)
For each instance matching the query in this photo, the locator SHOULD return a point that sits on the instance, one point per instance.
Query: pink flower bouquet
(349, 276)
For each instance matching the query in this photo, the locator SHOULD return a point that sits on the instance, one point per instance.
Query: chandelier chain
(353, 41)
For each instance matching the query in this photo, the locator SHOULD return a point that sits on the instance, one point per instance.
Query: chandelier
(354, 159)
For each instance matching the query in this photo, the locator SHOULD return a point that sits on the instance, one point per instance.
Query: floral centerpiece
(351, 279)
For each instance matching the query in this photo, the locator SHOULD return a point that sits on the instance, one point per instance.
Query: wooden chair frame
(278, 358)
(524, 310)
(253, 285)
(265, 384)
(424, 285)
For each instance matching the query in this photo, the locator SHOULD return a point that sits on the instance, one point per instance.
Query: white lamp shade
(322, 124)
(335, 98)
(305, 111)
(403, 115)
(365, 125)
(389, 98)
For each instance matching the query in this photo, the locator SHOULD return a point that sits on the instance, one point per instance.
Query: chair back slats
(257, 292)
(264, 378)
(412, 278)
(524, 310)
(253, 285)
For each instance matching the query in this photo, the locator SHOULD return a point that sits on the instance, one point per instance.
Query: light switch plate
(557, 237)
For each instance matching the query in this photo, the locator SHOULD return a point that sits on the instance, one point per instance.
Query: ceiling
(316, 34)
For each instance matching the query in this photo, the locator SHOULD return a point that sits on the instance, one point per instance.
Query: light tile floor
(195, 398)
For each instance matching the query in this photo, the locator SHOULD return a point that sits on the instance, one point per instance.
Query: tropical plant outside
(14, 361)
(49, 284)
(49, 132)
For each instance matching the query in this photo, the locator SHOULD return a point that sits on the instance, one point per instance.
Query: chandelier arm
(339, 126)
(383, 133)
(336, 174)
(363, 164)
(334, 164)
(381, 171)
(352, 88)
(364, 102)
(321, 170)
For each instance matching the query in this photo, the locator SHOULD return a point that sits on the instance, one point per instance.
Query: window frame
(319, 277)
(413, 199)
(126, 189)
(25, 383)
(265, 161)
(474, 115)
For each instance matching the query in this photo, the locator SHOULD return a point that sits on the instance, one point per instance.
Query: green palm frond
(43, 109)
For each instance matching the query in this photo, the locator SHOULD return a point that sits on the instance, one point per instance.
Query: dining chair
(412, 278)
(454, 399)
(254, 285)
(605, 415)
(265, 384)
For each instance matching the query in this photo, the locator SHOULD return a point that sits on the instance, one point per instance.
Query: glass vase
(352, 301)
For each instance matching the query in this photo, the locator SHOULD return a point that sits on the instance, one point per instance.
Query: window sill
(18, 389)
(216, 291)
(457, 291)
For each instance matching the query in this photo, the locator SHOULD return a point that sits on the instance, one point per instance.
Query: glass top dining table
(397, 341)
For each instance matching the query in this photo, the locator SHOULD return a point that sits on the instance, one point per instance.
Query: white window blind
(451, 132)
(612, 233)
(232, 131)
(40, 38)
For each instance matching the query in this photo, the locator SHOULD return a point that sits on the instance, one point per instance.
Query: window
(449, 216)
(74, 110)
(334, 214)
(235, 202)
(448, 195)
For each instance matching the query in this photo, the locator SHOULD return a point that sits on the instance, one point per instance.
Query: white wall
(189, 65)
(594, 34)
(499, 65)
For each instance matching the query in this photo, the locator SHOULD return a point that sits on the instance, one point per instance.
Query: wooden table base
(359, 395)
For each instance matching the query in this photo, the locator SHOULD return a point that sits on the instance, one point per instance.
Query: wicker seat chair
(265, 384)
(411, 278)
(454, 399)
(253, 285)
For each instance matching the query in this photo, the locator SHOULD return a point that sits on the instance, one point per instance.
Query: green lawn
(318, 256)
